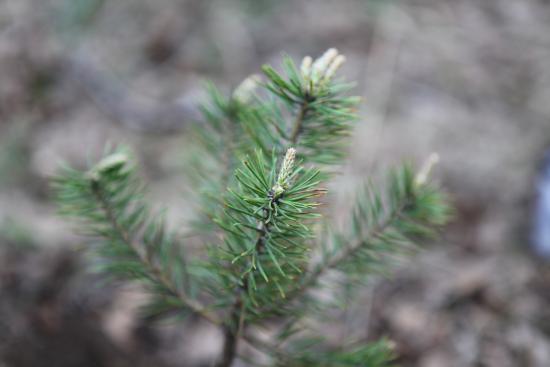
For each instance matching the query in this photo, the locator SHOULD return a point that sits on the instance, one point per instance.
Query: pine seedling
(262, 157)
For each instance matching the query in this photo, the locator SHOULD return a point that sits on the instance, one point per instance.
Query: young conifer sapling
(261, 158)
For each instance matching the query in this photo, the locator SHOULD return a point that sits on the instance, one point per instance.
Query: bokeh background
(469, 79)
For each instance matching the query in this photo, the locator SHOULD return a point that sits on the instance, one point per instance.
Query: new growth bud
(305, 69)
(321, 65)
(285, 172)
(333, 67)
(112, 162)
(245, 91)
(318, 73)
(424, 173)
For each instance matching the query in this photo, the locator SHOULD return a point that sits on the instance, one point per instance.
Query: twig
(297, 127)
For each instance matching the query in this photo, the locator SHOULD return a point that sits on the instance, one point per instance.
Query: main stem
(231, 332)
(297, 127)
(234, 327)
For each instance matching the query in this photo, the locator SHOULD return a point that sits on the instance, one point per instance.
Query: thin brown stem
(298, 123)
(231, 335)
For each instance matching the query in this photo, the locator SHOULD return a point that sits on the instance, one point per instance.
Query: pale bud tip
(305, 68)
(115, 160)
(290, 154)
(322, 63)
(245, 91)
(288, 162)
(111, 162)
(330, 54)
(424, 173)
(285, 172)
(334, 66)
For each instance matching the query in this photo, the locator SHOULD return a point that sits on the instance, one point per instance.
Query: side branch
(157, 273)
(311, 280)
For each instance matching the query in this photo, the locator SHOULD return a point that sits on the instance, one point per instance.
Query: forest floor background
(468, 79)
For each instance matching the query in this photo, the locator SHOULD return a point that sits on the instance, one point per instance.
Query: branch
(108, 202)
(324, 114)
(311, 279)
(161, 278)
(413, 210)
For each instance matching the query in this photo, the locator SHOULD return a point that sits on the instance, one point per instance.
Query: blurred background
(469, 79)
